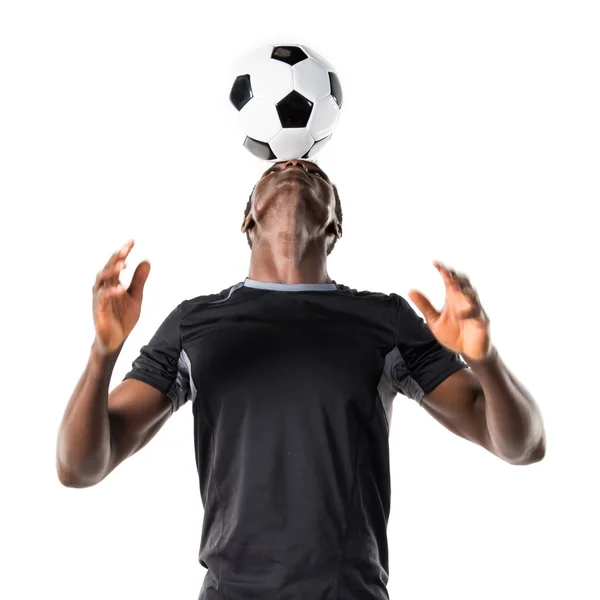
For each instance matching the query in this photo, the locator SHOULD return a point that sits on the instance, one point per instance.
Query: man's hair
(338, 216)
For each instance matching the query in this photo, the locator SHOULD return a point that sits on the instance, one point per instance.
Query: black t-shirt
(291, 388)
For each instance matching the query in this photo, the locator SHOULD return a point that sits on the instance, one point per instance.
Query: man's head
(295, 191)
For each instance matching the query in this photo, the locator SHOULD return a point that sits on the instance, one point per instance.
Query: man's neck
(284, 260)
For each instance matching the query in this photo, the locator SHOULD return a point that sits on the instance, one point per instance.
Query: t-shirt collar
(289, 287)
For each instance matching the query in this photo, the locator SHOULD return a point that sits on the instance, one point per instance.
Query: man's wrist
(491, 360)
(100, 359)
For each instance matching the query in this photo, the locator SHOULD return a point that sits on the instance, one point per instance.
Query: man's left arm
(486, 403)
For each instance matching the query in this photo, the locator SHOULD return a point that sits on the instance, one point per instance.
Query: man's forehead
(304, 161)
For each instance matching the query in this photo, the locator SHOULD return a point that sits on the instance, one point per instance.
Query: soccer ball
(289, 100)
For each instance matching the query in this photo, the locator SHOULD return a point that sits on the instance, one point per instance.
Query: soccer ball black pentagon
(289, 100)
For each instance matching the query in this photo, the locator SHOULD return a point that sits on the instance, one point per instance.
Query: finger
(469, 293)
(466, 291)
(136, 287)
(453, 278)
(106, 294)
(469, 307)
(463, 304)
(452, 273)
(447, 274)
(120, 254)
(423, 304)
(107, 272)
(109, 276)
(473, 312)
(457, 278)
(462, 281)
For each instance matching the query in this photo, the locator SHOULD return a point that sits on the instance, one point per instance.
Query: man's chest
(286, 360)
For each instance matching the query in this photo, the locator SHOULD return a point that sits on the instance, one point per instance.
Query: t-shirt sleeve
(162, 363)
(420, 363)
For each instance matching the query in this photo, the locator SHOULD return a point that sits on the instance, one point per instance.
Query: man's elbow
(534, 455)
(66, 478)
(70, 479)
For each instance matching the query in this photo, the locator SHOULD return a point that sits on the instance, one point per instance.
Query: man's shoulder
(383, 297)
(208, 299)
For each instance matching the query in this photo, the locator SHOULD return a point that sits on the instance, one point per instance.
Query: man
(291, 377)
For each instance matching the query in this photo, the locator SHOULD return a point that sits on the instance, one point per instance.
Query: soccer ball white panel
(317, 147)
(323, 118)
(311, 79)
(247, 64)
(312, 54)
(271, 80)
(291, 143)
(260, 119)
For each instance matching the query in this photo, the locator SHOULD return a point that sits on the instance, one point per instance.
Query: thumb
(431, 315)
(136, 287)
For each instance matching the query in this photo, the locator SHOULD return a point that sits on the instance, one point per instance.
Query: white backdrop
(469, 134)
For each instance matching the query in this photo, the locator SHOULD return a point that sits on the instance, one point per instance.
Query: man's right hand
(116, 309)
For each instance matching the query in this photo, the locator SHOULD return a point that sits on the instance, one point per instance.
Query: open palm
(462, 325)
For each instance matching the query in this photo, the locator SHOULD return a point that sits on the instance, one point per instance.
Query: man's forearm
(83, 444)
(513, 418)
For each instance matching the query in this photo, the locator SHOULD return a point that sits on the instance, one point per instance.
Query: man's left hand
(463, 325)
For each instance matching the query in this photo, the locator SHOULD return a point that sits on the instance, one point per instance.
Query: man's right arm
(100, 430)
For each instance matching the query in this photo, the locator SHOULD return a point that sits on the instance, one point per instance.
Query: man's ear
(248, 223)
(335, 228)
